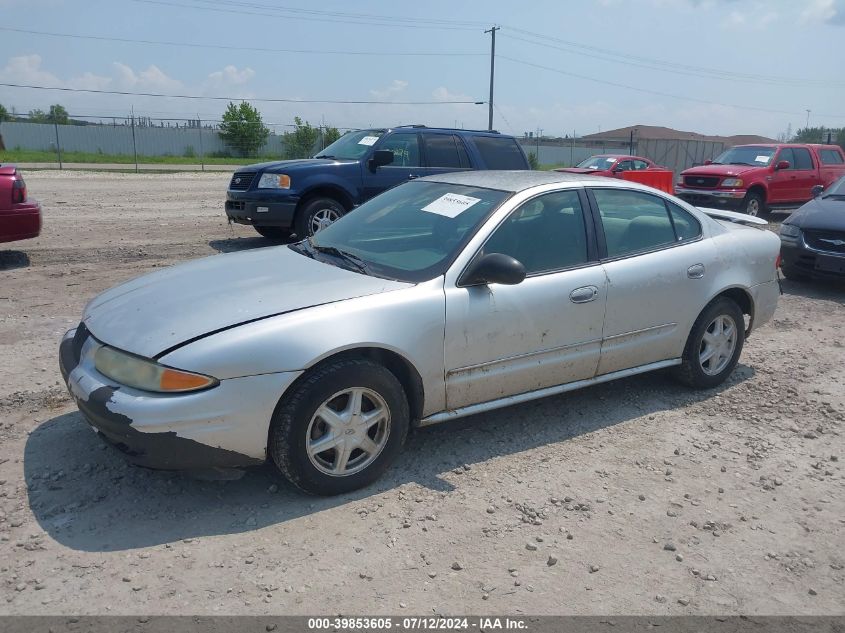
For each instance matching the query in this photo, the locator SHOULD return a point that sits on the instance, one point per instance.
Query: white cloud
(753, 18)
(26, 69)
(827, 11)
(230, 76)
(444, 94)
(396, 86)
(152, 79)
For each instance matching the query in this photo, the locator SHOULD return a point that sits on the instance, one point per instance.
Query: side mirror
(708, 162)
(494, 268)
(782, 164)
(380, 157)
(817, 190)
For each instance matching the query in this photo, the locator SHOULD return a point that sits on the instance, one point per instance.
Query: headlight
(789, 230)
(274, 181)
(140, 373)
(732, 182)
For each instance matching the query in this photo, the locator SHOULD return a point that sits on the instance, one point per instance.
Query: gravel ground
(637, 497)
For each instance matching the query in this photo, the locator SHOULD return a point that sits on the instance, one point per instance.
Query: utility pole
(808, 119)
(492, 33)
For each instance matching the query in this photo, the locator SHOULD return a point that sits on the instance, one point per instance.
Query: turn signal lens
(173, 380)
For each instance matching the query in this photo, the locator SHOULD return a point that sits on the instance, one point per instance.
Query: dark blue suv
(303, 196)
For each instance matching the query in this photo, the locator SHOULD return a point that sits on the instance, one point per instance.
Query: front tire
(714, 345)
(317, 214)
(340, 428)
(754, 204)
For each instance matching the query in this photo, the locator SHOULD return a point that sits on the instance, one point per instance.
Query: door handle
(583, 294)
(696, 271)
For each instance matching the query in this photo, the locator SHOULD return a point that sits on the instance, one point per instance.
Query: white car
(443, 297)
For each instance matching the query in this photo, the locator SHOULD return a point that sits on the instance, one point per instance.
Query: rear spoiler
(732, 216)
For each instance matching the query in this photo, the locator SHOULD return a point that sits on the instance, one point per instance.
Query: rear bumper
(720, 199)
(21, 222)
(261, 212)
(222, 427)
(765, 297)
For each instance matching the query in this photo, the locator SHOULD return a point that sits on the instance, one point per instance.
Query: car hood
(165, 309)
(820, 213)
(288, 166)
(720, 170)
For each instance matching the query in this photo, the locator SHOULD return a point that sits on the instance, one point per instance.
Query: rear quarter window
(499, 153)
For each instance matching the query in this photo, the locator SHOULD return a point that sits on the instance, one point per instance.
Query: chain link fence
(137, 141)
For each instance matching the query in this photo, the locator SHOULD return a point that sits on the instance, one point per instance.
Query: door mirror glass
(494, 268)
(381, 157)
(708, 162)
(817, 190)
(782, 164)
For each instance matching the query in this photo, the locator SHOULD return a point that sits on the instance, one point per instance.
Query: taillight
(18, 190)
(778, 261)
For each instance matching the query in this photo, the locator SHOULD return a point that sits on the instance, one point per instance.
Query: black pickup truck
(303, 196)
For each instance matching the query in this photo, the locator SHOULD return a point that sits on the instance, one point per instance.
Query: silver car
(443, 297)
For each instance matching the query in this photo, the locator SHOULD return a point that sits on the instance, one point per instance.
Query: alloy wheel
(717, 345)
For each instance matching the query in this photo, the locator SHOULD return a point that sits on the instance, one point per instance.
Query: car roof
(512, 181)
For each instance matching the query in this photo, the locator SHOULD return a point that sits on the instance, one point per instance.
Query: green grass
(37, 156)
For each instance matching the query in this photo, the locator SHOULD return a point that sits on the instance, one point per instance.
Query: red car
(611, 165)
(20, 219)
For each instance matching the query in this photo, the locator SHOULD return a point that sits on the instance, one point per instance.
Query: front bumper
(222, 427)
(795, 254)
(259, 212)
(718, 198)
(21, 222)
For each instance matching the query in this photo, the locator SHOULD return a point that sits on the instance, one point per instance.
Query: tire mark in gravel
(71, 255)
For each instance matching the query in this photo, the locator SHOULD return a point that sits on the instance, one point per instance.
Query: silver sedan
(443, 297)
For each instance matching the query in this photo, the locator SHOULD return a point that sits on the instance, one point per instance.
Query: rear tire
(714, 345)
(317, 214)
(355, 411)
(275, 233)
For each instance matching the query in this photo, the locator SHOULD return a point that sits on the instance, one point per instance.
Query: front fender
(409, 322)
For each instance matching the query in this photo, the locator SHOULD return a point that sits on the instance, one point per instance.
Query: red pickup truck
(757, 178)
(20, 218)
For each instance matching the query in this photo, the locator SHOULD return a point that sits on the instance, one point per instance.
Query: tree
(330, 135)
(57, 114)
(4, 114)
(301, 142)
(819, 135)
(242, 128)
(37, 116)
(533, 163)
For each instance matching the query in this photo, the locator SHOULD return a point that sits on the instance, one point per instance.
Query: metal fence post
(202, 156)
(134, 146)
(58, 146)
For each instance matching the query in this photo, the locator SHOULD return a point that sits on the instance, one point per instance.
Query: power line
(383, 21)
(678, 70)
(663, 64)
(236, 48)
(259, 99)
(653, 92)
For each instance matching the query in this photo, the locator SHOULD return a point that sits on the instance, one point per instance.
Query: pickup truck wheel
(339, 428)
(275, 233)
(317, 214)
(753, 204)
(714, 345)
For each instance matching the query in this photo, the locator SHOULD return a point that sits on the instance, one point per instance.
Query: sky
(562, 66)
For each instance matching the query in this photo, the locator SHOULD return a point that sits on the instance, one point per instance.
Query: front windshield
(412, 232)
(752, 156)
(597, 162)
(352, 145)
(836, 190)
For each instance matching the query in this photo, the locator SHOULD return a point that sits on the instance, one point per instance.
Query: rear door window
(499, 152)
(831, 157)
(441, 150)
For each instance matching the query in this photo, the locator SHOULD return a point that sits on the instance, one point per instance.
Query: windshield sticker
(451, 205)
(761, 159)
(368, 140)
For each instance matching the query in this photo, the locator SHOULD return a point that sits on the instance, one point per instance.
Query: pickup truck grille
(241, 180)
(821, 240)
(701, 182)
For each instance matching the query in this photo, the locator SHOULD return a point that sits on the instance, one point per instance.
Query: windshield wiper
(739, 162)
(324, 156)
(356, 261)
